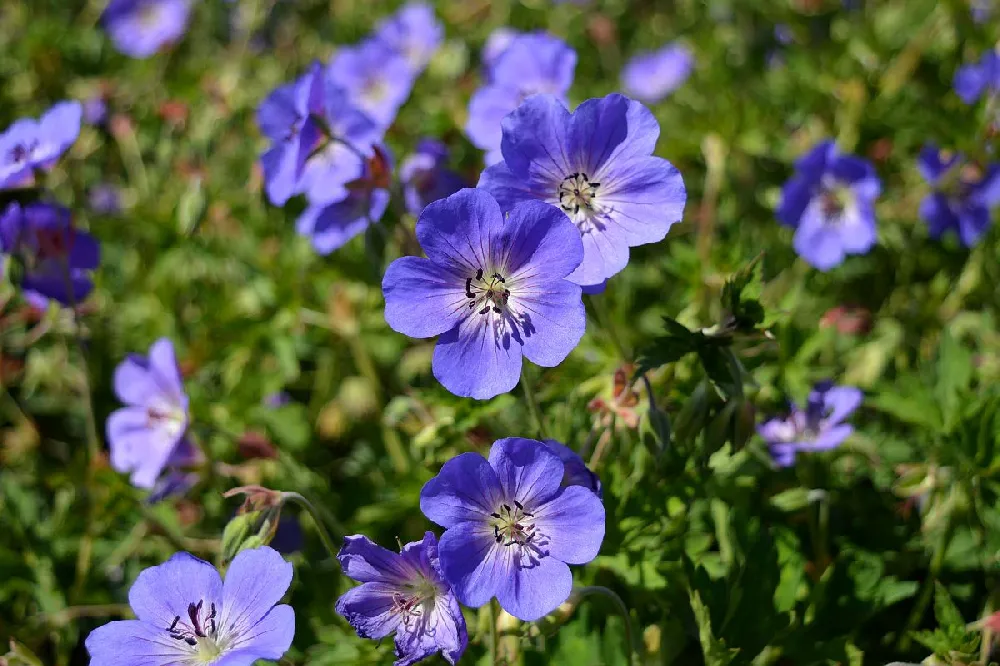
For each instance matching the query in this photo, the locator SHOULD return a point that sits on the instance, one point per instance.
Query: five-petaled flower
(830, 201)
(188, 616)
(511, 527)
(649, 77)
(426, 177)
(963, 194)
(377, 78)
(140, 28)
(597, 166)
(403, 593)
(530, 64)
(57, 258)
(491, 288)
(31, 145)
(818, 427)
(148, 434)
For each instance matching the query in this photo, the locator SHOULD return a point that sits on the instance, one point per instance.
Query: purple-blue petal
(163, 592)
(371, 609)
(528, 471)
(134, 643)
(422, 299)
(474, 563)
(466, 489)
(480, 358)
(534, 587)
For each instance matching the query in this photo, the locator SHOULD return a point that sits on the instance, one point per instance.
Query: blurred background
(296, 382)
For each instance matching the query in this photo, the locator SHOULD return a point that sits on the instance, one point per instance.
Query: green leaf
(792, 499)
(945, 610)
(714, 649)
(954, 375)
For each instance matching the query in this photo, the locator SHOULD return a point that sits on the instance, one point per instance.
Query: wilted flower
(963, 194)
(31, 145)
(403, 594)
(377, 79)
(830, 201)
(597, 166)
(493, 289)
(361, 203)
(425, 176)
(972, 81)
(650, 77)
(187, 615)
(530, 64)
(511, 527)
(57, 258)
(819, 427)
(148, 434)
(413, 32)
(140, 28)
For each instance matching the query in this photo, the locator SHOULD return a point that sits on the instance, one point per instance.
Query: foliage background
(720, 557)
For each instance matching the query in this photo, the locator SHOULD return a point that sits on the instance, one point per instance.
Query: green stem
(631, 652)
(494, 635)
(532, 400)
(317, 519)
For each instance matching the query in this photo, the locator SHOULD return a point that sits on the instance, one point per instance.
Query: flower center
(20, 152)
(198, 630)
(416, 599)
(168, 418)
(513, 526)
(149, 15)
(53, 242)
(835, 200)
(487, 291)
(576, 191)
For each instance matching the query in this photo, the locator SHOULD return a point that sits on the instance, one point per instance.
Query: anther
(497, 310)
(468, 288)
(177, 618)
(484, 310)
(495, 515)
(479, 274)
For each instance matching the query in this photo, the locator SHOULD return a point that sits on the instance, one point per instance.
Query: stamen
(177, 618)
(468, 288)
(479, 274)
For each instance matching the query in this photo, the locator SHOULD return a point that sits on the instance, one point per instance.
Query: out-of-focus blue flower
(830, 201)
(650, 77)
(361, 203)
(148, 434)
(413, 32)
(982, 10)
(276, 399)
(140, 28)
(972, 81)
(511, 527)
(404, 594)
(819, 427)
(493, 289)
(95, 110)
(174, 483)
(531, 64)
(377, 78)
(597, 166)
(963, 196)
(31, 145)
(186, 614)
(57, 258)
(425, 176)
(496, 44)
(105, 199)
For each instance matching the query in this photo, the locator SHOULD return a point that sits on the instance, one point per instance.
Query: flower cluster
(513, 522)
(325, 130)
(963, 194)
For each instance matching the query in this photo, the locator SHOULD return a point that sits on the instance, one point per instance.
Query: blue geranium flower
(496, 44)
(57, 258)
(31, 145)
(426, 177)
(493, 289)
(597, 166)
(963, 196)
(377, 78)
(413, 32)
(140, 28)
(511, 527)
(972, 81)
(530, 64)
(148, 434)
(186, 614)
(650, 77)
(830, 201)
(404, 594)
(819, 427)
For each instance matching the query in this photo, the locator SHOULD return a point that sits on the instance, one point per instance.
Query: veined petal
(535, 144)
(457, 232)
(255, 581)
(540, 243)
(509, 189)
(164, 592)
(829, 438)
(423, 299)
(645, 196)
(134, 643)
(268, 638)
(605, 253)
(534, 587)
(574, 523)
(528, 471)
(139, 448)
(369, 608)
(277, 114)
(551, 320)
(474, 563)
(365, 561)
(480, 358)
(466, 489)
